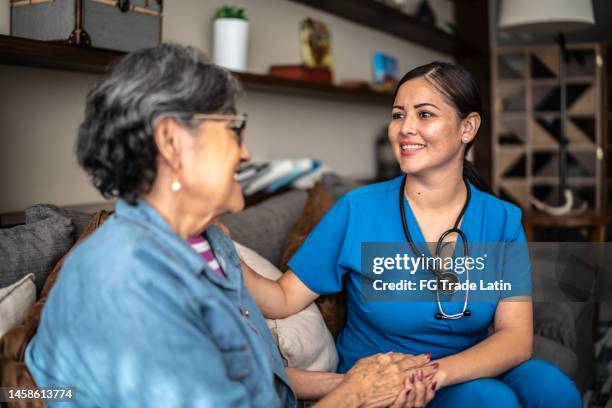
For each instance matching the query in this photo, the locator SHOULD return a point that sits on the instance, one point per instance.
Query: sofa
(273, 228)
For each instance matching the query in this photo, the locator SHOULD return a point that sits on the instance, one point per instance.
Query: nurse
(435, 118)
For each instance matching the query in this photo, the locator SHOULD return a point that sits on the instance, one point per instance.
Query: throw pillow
(319, 201)
(80, 220)
(332, 307)
(13, 343)
(15, 301)
(338, 185)
(33, 248)
(303, 338)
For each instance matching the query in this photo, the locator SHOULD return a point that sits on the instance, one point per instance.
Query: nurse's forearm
(277, 299)
(268, 294)
(312, 385)
(497, 354)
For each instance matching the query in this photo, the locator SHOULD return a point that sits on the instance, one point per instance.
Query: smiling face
(210, 159)
(425, 132)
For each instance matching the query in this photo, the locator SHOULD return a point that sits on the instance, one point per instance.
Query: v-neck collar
(465, 225)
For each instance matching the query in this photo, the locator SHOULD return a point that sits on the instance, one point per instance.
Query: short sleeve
(517, 265)
(318, 261)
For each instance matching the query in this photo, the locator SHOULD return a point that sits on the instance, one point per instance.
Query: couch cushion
(15, 301)
(557, 321)
(33, 248)
(303, 338)
(80, 220)
(332, 307)
(337, 185)
(13, 371)
(549, 350)
(264, 227)
(319, 201)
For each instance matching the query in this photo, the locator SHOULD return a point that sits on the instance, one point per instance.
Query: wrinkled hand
(381, 379)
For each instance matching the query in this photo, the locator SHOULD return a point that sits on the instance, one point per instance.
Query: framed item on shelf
(384, 68)
(315, 43)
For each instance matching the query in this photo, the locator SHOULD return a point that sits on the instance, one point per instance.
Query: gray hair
(115, 143)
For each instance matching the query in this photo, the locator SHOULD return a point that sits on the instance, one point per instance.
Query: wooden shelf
(557, 114)
(40, 54)
(289, 86)
(575, 148)
(571, 181)
(569, 81)
(512, 149)
(570, 148)
(512, 115)
(381, 17)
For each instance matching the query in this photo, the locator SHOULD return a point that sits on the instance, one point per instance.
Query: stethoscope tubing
(441, 315)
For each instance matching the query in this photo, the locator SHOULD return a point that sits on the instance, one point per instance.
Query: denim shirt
(138, 319)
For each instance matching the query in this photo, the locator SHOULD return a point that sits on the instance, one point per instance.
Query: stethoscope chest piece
(446, 282)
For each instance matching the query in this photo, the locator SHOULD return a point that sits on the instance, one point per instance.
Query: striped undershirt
(202, 247)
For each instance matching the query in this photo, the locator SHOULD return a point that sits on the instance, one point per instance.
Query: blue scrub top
(330, 258)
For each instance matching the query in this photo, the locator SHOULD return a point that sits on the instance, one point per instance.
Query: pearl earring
(176, 185)
(465, 140)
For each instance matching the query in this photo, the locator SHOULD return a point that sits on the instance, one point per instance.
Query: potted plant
(230, 38)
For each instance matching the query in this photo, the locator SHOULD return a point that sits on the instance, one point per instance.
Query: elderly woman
(151, 309)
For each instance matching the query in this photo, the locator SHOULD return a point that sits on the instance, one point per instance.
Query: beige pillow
(15, 301)
(303, 338)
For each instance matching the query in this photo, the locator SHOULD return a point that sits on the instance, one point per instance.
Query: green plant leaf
(226, 11)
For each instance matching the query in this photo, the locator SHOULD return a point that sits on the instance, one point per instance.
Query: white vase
(231, 43)
(5, 17)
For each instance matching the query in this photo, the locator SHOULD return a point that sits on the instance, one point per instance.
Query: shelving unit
(20, 51)
(384, 18)
(527, 121)
(373, 14)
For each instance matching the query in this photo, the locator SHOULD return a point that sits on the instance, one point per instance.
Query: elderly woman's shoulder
(116, 246)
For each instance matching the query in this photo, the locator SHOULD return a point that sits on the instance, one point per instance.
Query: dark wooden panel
(473, 29)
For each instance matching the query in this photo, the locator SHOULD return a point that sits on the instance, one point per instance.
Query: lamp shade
(545, 16)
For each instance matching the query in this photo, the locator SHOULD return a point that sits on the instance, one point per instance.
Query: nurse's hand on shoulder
(392, 379)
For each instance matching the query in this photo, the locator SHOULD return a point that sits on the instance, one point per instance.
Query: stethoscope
(442, 275)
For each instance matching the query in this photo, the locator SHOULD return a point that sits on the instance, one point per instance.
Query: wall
(5, 17)
(40, 110)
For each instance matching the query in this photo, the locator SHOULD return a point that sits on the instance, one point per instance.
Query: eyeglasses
(238, 123)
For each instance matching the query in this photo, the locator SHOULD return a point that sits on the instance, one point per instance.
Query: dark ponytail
(462, 92)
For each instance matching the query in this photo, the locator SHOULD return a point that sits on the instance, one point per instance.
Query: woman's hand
(419, 389)
(439, 378)
(392, 378)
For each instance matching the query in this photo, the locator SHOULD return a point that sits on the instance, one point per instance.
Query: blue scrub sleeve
(517, 265)
(318, 262)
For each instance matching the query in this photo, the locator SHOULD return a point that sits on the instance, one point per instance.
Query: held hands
(393, 379)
